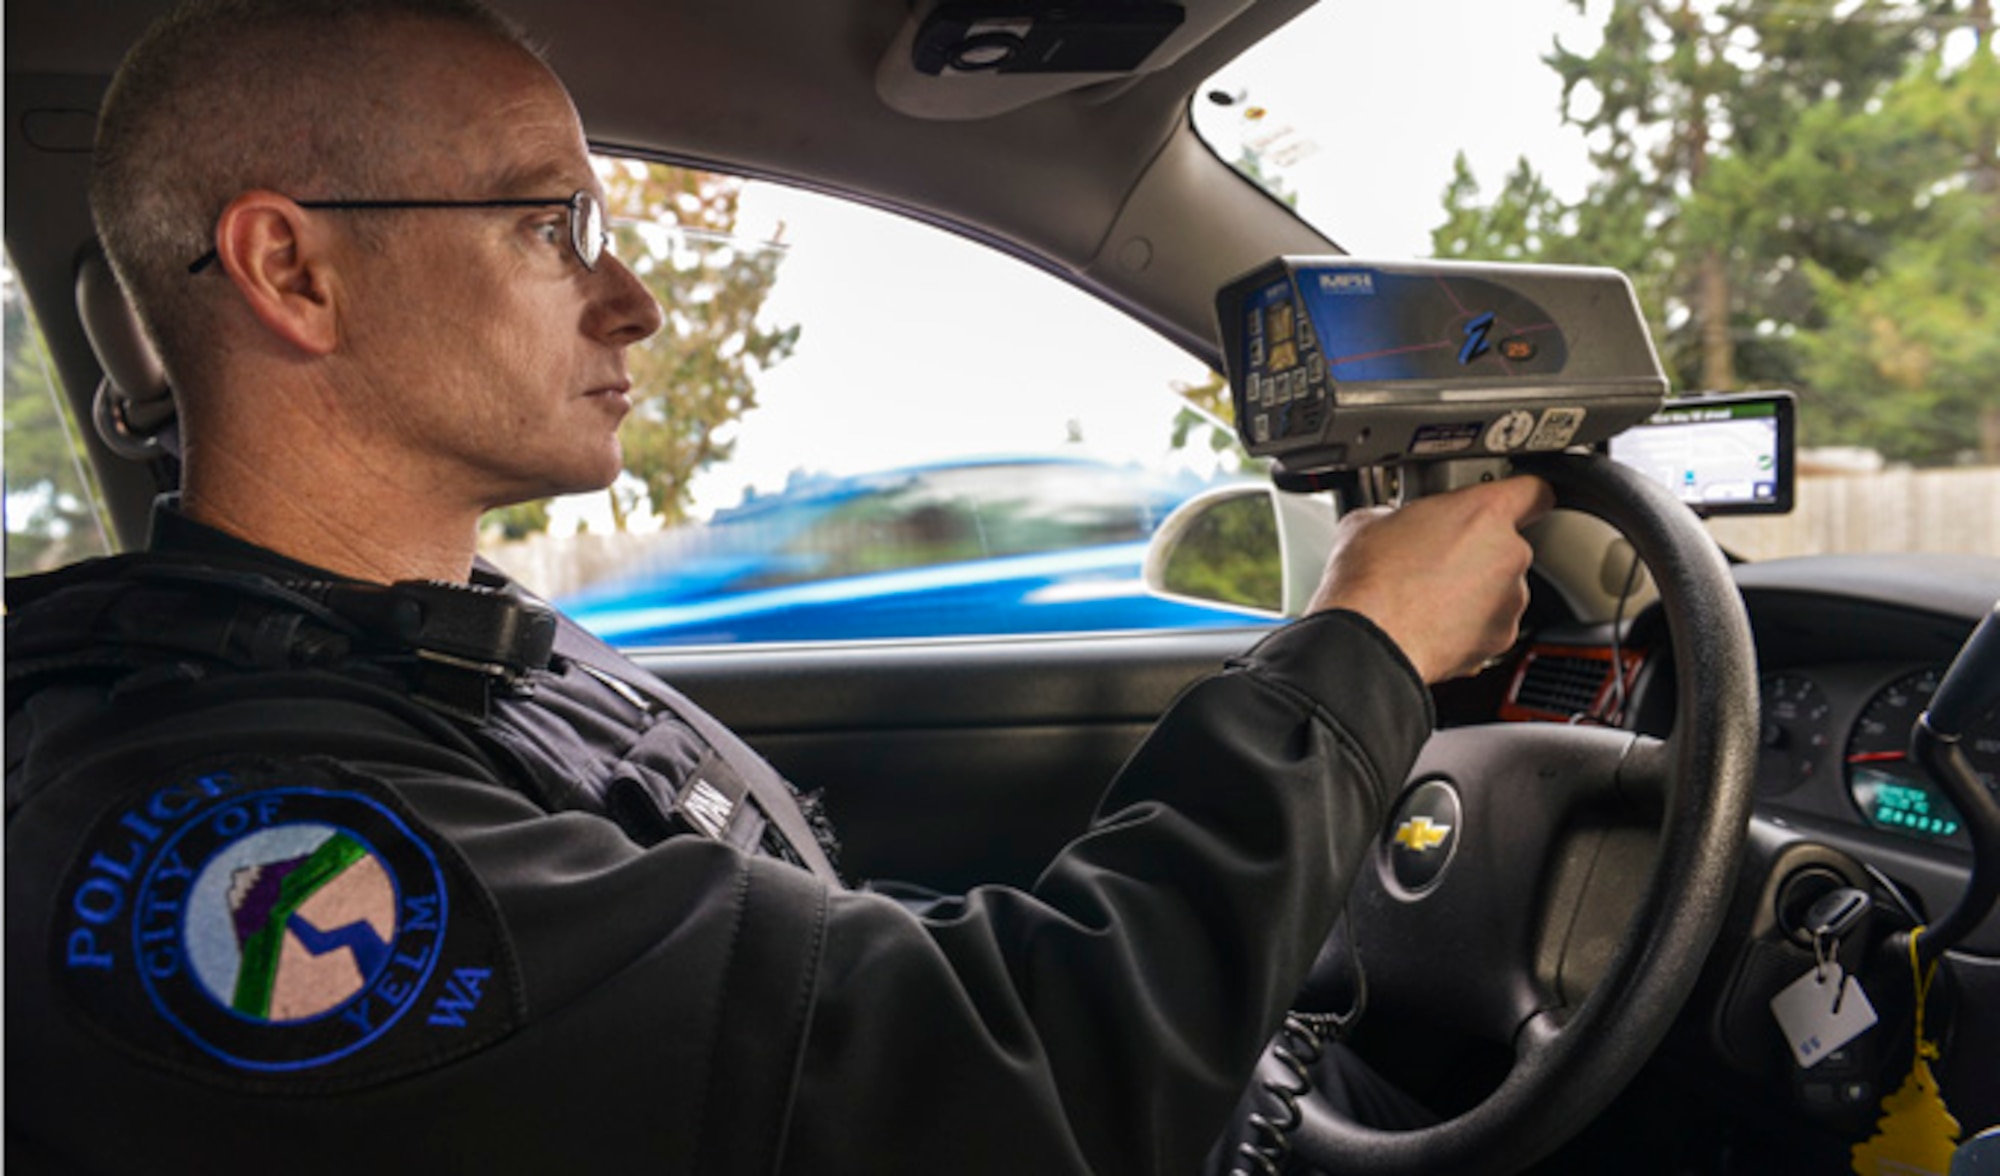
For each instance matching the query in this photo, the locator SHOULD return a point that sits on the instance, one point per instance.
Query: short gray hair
(223, 96)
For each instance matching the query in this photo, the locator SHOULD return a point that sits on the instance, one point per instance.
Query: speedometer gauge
(1893, 793)
(1796, 731)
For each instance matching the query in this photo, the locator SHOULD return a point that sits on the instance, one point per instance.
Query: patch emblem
(284, 919)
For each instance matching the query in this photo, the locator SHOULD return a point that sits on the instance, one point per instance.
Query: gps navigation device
(1719, 454)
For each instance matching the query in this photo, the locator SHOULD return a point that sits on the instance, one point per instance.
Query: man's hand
(1444, 577)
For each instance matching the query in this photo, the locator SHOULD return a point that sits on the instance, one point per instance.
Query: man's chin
(589, 481)
(595, 475)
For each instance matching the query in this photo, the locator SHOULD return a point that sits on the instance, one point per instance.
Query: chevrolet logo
(1421, 834)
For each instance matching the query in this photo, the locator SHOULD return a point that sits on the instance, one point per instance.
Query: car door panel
(952, 763)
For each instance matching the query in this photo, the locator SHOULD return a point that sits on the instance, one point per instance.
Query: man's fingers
(1443, 576)
(1522, 499)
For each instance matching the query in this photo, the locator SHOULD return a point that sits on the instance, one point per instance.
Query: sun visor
(967, 59)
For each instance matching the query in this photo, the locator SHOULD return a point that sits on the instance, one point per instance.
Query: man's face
(482, 361)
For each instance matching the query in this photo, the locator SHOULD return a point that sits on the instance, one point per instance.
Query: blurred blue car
(1028, 545)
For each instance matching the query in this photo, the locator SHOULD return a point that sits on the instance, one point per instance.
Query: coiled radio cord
(1300, 1044)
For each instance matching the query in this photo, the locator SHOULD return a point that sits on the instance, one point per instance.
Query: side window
(854, 426)
(53, 506)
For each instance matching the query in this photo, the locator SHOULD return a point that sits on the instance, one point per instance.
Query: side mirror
(1244, 544)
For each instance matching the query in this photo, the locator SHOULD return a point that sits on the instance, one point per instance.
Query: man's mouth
(619, 393)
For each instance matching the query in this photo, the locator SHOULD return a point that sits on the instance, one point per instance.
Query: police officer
(329, 850)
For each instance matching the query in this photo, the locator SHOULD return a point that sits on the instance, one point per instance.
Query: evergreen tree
(1911, 340)
(1525, 222)
(1804, 194)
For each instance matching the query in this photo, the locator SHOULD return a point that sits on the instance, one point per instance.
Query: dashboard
(1849, 649)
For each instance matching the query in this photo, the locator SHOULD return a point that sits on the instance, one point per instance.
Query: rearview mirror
(1244, 544)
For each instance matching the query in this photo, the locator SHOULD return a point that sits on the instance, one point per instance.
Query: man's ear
(281, 267)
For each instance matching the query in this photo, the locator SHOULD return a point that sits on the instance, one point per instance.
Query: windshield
(1805, 194)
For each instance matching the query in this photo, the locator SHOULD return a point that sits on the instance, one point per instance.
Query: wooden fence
(556, 565)
(1952, 510)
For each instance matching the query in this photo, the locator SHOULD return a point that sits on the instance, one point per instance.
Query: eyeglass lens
(586, 226)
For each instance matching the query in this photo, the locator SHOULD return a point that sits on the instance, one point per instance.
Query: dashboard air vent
(1562, 685)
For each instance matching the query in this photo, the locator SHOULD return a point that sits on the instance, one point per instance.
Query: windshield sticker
(264, 920)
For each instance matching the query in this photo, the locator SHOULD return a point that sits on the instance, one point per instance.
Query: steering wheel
(1513, 931)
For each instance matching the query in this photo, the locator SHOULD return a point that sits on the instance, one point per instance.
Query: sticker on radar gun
(1431, 440)
(1557, 428)
(269, 920)
(1510, 432)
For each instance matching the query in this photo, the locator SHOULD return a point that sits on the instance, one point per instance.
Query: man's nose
(622, 310)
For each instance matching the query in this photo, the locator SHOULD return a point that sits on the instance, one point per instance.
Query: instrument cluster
(1835, 740)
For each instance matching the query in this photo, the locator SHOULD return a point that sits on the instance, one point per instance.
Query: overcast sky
(1375, 98)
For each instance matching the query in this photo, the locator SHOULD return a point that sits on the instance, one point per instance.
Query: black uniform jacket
(287, 919)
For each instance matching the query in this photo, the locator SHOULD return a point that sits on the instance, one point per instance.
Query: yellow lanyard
(1916, 1133)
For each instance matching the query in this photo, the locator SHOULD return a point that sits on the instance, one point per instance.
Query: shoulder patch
(283, 925)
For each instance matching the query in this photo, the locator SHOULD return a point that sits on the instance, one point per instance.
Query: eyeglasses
(586, 219)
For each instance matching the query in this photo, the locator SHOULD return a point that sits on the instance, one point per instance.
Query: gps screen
(1720, 455)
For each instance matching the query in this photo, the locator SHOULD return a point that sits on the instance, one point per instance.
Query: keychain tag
(1822, 1011)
